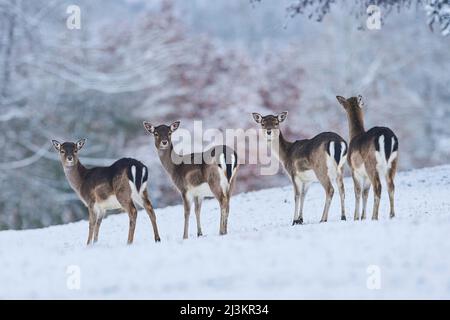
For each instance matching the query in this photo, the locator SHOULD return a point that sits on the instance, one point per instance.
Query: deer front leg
(297, 188)
(100, 215)
(92, 220)
(302, 187)
(151, 213)
(198, 207)
(187, 212)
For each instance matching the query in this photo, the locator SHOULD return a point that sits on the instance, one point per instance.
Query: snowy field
(263, 256)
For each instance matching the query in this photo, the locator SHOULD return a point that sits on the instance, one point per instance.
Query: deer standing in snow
(197, 175)
(372, 154)
(123, 185)
(319, 158)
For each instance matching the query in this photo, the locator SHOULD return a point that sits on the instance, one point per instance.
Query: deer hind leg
(365, 196)
(132, 214)
(198, 207)
(92, 220)
(224, 209)
(376, 183)
(329, 190)
(340, 184)
(357, 187)
(391, 187)
(151, 213)
(187, 212)
(100, 215)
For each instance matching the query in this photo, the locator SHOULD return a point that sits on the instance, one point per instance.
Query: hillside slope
(263, 256)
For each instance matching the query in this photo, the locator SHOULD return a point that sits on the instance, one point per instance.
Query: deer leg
(223, 215)
(92, 220)
(375, 179)
(187, 212)
(391, 187)
(132, 214)
(198, 207)
(297, 188)
(100, 215)
(304, 190)
(329, 190)
(357, 186)
(227, 212)
(365, 196)
(151, 213)
(340, 183)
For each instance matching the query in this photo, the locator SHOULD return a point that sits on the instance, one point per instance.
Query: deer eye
(63, 152)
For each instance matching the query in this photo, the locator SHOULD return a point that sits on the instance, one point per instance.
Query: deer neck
(166, 159)
(355, 123)
(280, 147)
(75, 176)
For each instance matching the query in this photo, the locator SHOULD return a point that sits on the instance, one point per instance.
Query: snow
(263, 256)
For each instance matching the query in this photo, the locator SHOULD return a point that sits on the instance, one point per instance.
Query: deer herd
(371, 155)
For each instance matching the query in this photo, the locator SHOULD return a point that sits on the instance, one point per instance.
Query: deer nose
(269, 132)
(69, 158)
(164, 142)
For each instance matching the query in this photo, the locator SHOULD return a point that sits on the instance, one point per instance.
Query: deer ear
(57, 145)
(342, 100)
(148, 126)
(360, 101)
(282, 116)
(257, 117)
(174, 126)
(80, 143)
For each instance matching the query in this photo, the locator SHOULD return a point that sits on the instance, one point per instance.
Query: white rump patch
(343, 157)
(133, 173)
(382, 165)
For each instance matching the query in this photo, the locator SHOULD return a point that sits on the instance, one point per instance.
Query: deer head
(270, 124)
(353, 104)
(68, 151)
(162, 134)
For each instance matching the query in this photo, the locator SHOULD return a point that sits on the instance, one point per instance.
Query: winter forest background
(219, 60)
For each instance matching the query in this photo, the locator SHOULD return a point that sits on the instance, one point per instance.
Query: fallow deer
(123, 185)
(372, 154)
(319, 158)
(197, 175)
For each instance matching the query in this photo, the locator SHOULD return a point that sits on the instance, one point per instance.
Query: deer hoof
(392, 215)
(158, 239)
(299, 221)
(199, 234)
(343, 218)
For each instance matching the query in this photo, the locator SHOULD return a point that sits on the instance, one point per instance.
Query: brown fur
(303, 156)
(187, 174)
(362, 154)
(95, 186)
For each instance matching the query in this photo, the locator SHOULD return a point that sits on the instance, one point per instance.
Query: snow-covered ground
(263, 256)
